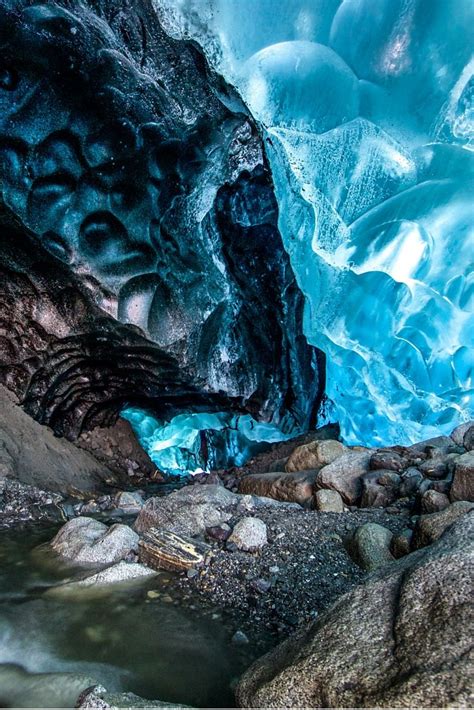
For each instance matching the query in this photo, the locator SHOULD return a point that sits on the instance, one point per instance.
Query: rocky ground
(278, 542)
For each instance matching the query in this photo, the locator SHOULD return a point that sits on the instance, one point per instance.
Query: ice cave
(368, 122)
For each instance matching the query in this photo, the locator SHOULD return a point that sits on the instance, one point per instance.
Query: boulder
(401, 639)
(129, 501)
(189, 510)
(434, 468)
(432, 501)
(457, 435)
(294, 487)
(401, 544)
(314, 455)
(410, 481)
(379, 489)
(463, 479)
(468, 440)
(278, 465)
(98, 698)
(162, 549)
(249, 535)
(389, 460)
(344, 475)
(86, 540)
(430, 527)
(328, 501)
(371, 546)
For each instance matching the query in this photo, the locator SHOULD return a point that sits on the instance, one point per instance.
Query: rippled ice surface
(125, 640)
(368, 113)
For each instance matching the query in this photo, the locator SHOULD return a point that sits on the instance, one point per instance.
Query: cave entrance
(191, 443)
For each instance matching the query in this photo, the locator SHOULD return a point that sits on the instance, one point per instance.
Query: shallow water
(143, 638)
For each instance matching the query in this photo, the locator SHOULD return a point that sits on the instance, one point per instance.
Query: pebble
(239, 638)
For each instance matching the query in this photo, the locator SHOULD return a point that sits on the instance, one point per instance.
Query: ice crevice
(368, 121)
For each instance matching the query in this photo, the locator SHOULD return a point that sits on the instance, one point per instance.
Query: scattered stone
(344, 475)
(429, 528)
(189, 510)
(314, 455)
(457, 435)
(239, 638)
(261, 585)
(468, 440)
(328, 501)
(294, 487)
(219, 532)
(348, 658)
(163, 549)
(129, 501)
(432, 501)
(433, 468)
(401, 544)
(411, 479)
(249, 535)
(463, 480)
(372, 546)
(90, 541)
(387, 459)
(379, 489)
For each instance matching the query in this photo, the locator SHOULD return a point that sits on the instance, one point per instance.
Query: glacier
(367, 114)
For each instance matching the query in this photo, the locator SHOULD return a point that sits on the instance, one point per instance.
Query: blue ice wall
(191, 443)
(367, 109)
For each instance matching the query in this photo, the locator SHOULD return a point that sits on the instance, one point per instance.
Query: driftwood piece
(162, 549)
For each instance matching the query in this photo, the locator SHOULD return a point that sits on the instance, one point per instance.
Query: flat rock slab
(120, 573)
(294, 487)
(163, 549)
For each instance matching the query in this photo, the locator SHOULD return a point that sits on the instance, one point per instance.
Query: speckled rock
(457, 435)
(249, 535)
(314, 455)
(344, 475)
(86, 540)
(188, 511)
(430, 527)
(432, 501)
(463, 479)
(348, 658)
(328, 501)
(296, 487)
(371, 545)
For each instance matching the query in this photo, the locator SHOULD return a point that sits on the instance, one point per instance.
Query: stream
(146, 638)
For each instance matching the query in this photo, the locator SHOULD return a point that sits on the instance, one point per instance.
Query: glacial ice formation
(367, 110)
(141, 263)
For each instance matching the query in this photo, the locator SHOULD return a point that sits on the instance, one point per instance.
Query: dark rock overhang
(141, 259)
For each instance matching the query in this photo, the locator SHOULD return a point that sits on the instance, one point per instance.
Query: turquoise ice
(367, 111)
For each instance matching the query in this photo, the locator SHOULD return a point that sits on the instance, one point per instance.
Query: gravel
(302, 570)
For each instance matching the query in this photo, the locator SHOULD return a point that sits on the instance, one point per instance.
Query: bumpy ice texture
(369, 126)
(142, 263)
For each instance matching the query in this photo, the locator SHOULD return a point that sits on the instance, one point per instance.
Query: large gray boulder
(87, 540)
(188, 511)
(402, 639)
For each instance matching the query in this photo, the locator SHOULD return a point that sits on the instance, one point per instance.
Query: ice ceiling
(368, 118)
